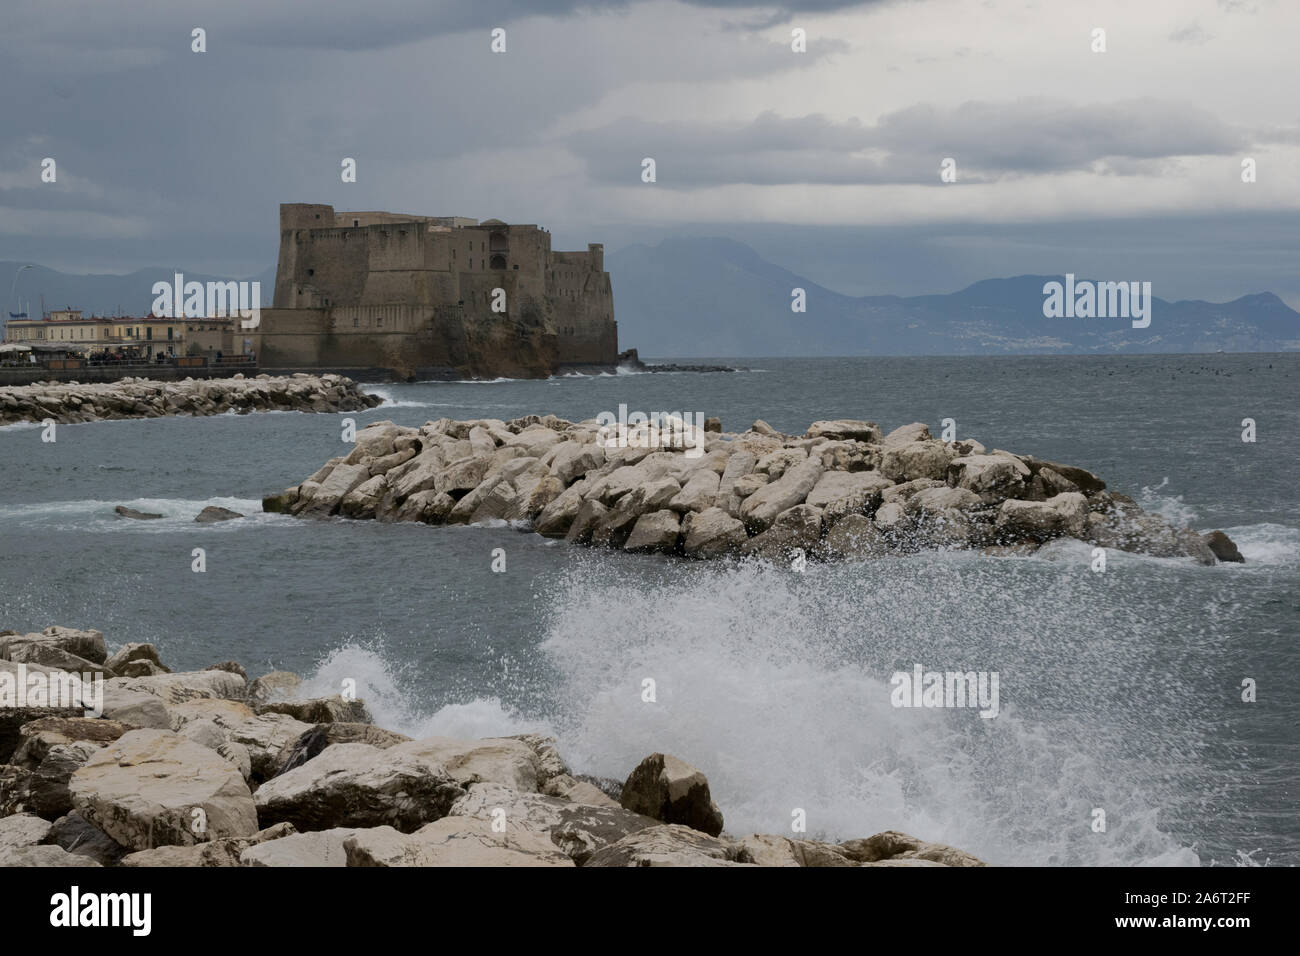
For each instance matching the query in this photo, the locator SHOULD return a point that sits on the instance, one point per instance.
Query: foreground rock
(669, 845)
(22, 829)
(53, 749)
(124, 512)
(357, 785)
(1223, 547)
(312, 742)
(227, 851)
(317, 848)
(453, 842)
(87, 645)
(578, 829)
(42, 856)
(77, 835)
(319, 710)
(68, 403)
(210, 782)
(212, 513)
(153, 787)
(673, 791)
(844, 489)
(892, 847)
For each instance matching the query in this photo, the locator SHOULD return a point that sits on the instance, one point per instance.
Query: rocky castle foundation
(430, 297)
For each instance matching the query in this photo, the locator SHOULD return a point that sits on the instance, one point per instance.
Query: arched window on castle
(499, 247)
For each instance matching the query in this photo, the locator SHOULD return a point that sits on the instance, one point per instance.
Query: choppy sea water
(1119, 691)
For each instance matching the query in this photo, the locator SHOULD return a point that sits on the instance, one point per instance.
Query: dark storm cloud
(988, 140)
(163, 140)
(338, 25)
(408, 20)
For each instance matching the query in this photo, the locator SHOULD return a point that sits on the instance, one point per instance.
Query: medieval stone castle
(428, 297)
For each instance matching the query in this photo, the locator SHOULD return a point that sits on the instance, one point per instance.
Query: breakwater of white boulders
(71, 402)
(208, 768)
(843, 489)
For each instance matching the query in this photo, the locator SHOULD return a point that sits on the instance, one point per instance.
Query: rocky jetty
(843, 489)
(71, 402)
(204, 768)
(632, 362)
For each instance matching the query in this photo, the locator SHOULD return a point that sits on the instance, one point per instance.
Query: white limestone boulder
(993, 477)
(153, 787)
(358, 785)
(655, 531)
(712, 533)
(844, 428)
(667, 788)
(760, 509)
(453, 841)
(503, 760)
(1065, 514)
(576, 829)
(667, 845)
(907, 434)
(918, 459)
(854, 537)
(840, 493)
(317, 848)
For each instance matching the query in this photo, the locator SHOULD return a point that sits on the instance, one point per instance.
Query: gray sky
(1124, 163)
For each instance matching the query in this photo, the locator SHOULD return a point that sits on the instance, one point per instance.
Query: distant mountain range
(717, 297)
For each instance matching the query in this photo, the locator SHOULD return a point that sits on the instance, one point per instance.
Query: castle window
(355, 322)
(379, 322)
(356, 222)
(311, 272)
(499, 262)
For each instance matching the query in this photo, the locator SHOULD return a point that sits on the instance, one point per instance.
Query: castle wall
(584, 311)
(289, 337)
(373, 288)
(525, 297)
(388, 336)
